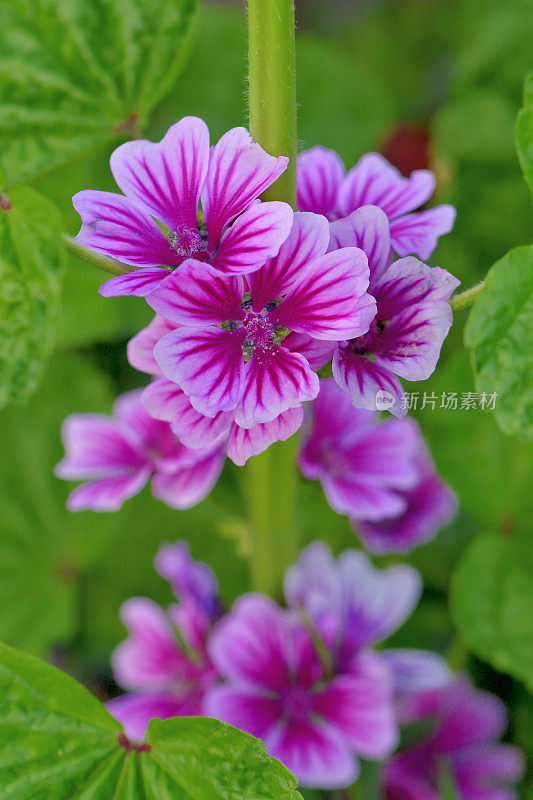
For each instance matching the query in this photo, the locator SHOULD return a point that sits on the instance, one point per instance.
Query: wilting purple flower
(118, 455)
(166, 180)
(164, 662)
(325, 188)
(164, 400)
(277, 689)
(379, 473)
(242, 342)
(462, 742)
(412, 320)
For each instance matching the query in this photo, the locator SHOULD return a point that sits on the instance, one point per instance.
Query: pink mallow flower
(242, 342)
(165, 400)
(315, 720)
(164, 663)
(118, 455)
(325, 188)
(306, 679)
(461, 744)
(165, 181)
(412, 320)
(377, 472)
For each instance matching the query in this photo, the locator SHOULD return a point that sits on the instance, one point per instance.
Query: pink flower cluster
(307, 678)
(252, 301)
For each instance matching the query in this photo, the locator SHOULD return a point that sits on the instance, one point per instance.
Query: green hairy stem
(105, 263)
(272, 476)
(466, 298)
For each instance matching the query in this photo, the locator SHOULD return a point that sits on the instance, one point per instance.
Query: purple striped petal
(195, 430)
(356, 497)
(239, 171)
(165, 400)
(405, 776)
(386, 453)
(415, 671)
(116, 226)
(166, 177)
(187, 486)
(150, 659)
(367, 384)
(316, 351)
(134, 711)
(254, 236)
(471, 717)
(249, 645)
(411, 343)
(368, 229)
(138, 283)
(246, 442)
(129, 410)
(314, 752)
(409, 281)
(307, 241)
(195, 295)
(141, 347)
(378, 601)
(246, 709)
(320, 174)
(373, 181)
(419, 233)
(96, 446)
(359, 705)
(330, 301)
(207, 364)
(275, 380)
(108, 494)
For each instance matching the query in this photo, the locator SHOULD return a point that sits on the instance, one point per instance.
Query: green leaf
(32, 258)
(75, 73)
(59, 743)
(500, 333)
(492, 601)
(524, 133)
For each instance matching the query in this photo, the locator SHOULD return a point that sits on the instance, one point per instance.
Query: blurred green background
(430, 83)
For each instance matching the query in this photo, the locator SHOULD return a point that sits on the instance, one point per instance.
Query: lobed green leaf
(78, 73)
(492, 602)
(57, 742)
(499, 332)
(524, 133)
(32, 260)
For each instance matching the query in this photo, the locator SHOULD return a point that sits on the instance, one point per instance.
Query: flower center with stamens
(259, 332)
(364, 344)
(186, 241)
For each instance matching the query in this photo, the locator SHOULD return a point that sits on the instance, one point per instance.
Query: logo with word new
(384, 400)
